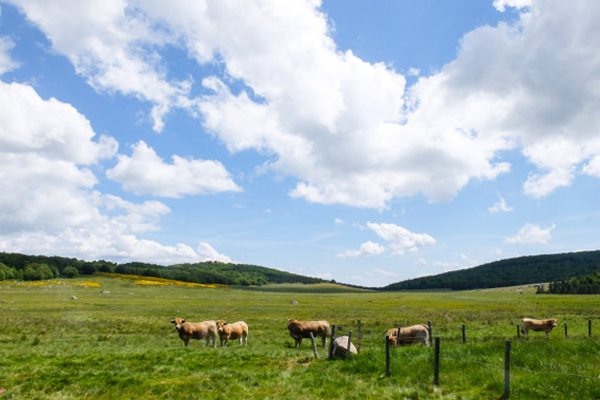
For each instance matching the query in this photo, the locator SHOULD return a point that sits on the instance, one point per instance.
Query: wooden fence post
(387, 356)
(358, 338)
(314, 345)
(507, 370)
(436, 371)
(430, 332)
(464, 333)
(331, 342)
(518, 332)
(398, 337)
(590, 328)
(349, 344)
(566, 333)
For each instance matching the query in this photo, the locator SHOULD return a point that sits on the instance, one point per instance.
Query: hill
(30, 267)
(509, 272)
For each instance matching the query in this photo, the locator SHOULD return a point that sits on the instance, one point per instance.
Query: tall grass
(121, 344)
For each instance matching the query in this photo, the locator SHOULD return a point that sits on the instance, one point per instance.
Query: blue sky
(366, 142)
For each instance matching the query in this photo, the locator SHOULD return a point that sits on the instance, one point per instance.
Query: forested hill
(509, 272)
(30, 267)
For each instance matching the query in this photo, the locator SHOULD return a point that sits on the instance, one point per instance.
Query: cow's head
(289, 320)
(178, 322)
(552, 322)
(220, 325)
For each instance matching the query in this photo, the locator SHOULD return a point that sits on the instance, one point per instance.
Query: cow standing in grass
(537, 325)
(410, 335)
(196, 330)
(302, 329)
(237, 330)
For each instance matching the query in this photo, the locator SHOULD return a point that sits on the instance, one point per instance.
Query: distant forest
(31, 268)
(587, 284)
(560, 269)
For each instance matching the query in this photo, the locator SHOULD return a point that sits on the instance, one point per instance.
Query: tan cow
(537, 325)
(302, 329)
(237, 330)
(196, 330)
(410, 335)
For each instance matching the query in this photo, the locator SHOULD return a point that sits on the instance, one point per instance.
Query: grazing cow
(196, 330)
(537, 325)
(409, 335)
(237, 330)
(302, 329)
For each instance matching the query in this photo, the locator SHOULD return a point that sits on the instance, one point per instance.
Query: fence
(507, 359)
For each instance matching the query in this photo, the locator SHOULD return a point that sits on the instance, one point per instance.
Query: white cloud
(500, 206)
(208, 253)
(146, 173)
(349, 131)
(339, 222)
(366, 249)
(532, 234)
(501, 5)
(400, 239)
(47, 196)
(6, 62)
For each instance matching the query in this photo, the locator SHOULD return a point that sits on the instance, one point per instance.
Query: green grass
(122, 345)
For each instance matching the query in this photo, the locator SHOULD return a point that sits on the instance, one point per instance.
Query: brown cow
(302, 329)
(237, 330)
(409, 335)
(537, 325)
(196, 330)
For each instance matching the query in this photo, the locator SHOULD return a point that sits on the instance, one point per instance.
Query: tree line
(587, 284)
(16, 266)
(510, 272)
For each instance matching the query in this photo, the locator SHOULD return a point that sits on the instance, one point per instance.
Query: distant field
(116, 341)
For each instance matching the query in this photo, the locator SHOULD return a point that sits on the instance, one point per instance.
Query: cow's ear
(224, 322)
(172, 321)
(182, 321)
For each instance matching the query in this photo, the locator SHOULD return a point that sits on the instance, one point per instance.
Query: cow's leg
(207, 341)
(186, 341)
(214, 340)
(324, 340)
(547, 337)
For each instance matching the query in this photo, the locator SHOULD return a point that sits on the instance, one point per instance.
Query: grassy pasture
(122, 345)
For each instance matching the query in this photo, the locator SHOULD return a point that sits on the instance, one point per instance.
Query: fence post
(349, 344)
(331, 342)
(430, 332)
(358, 338)
(436, 371)
(387, 356)
(590, 328)
(398, 337)
(518, 331)
(464, 333)
(314, 345)
(566, 333)
(507, 370)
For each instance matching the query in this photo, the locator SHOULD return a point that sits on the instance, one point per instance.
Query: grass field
(116, 341)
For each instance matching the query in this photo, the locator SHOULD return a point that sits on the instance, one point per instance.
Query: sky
(365, 142)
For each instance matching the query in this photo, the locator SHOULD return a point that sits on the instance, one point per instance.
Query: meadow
(107, 338)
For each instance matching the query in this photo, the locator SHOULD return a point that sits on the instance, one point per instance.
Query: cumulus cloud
(208, 253)
(532, 234)
(146, 173)
(500, 206)
(348, 130)
(401, 239)
(47, 196)
(366, 249)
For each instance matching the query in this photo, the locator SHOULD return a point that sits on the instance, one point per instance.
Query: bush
(70, 272)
